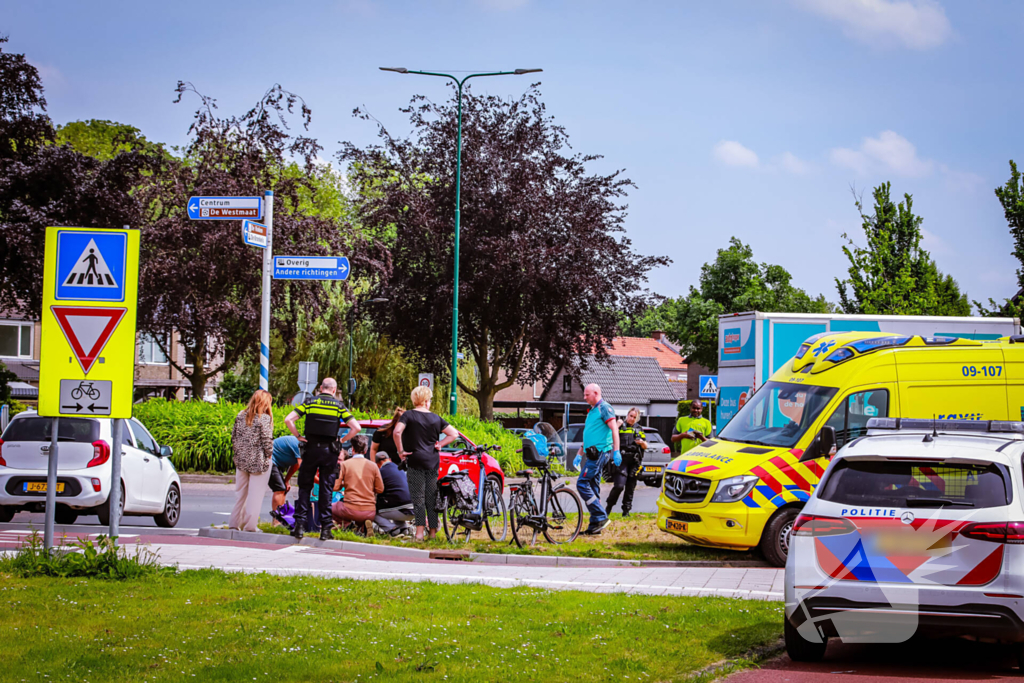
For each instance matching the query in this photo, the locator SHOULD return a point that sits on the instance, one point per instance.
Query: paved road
(206, 504)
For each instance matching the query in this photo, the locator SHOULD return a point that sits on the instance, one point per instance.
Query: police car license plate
(675, 525)
(40, 487)
(652, 469)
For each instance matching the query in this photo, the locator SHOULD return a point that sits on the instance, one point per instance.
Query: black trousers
(317, 459)
(624, 483)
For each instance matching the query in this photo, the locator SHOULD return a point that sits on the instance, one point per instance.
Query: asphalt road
(206, 504)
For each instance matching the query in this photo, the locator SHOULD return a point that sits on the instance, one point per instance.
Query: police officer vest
(324, 417)
(628, 436)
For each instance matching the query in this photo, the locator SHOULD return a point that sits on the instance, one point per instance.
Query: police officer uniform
(324, 417)
(624, 477)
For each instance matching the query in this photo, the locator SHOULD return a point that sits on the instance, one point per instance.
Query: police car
(917, 527)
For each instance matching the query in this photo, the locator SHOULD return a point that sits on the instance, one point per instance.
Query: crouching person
(362, 482)
(394, 505)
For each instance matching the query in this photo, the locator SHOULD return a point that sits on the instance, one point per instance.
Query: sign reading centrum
(311, 268)
(225, 208)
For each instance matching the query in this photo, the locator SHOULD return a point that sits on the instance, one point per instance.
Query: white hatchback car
(916, 527)
(149, 482)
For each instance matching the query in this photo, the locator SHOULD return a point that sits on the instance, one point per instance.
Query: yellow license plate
(652, 469)
(675, 525)
(40, 487)
(912, 543)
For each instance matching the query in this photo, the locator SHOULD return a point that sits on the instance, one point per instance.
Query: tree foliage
(544, 267)
(893, 274)
(732, 283)
(104, 140)
(1011, 197)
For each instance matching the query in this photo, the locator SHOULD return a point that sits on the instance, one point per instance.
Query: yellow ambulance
(744, 488)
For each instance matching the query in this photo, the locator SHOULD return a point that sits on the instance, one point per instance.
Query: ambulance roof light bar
(917, 424)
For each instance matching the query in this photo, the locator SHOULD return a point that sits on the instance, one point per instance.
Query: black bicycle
(466, 507)
(558, 515)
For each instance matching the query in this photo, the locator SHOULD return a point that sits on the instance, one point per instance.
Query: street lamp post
(351, 388)
(454, 397)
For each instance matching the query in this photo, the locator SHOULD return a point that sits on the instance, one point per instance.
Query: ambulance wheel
(800, 649)
(775, 539)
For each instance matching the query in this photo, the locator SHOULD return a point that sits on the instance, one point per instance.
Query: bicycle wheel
(495, 514)
(564, 516)
(523, 508)
(450, 516)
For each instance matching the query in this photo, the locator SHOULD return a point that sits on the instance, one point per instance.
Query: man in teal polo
(601, 438)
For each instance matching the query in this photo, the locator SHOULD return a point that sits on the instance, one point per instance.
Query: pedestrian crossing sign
(91, 265)
(87, 354)
(708, 386)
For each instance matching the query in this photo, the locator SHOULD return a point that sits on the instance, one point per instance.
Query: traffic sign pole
(114, 499)
(268, 266)
(51, 487)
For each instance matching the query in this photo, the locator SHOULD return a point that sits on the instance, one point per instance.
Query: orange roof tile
(648, 348)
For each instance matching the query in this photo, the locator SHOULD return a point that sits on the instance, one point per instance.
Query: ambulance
(744, 488)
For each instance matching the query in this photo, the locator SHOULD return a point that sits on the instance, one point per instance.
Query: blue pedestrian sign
(708, 386)
(90, 266)
(225, 208)
(311, 268)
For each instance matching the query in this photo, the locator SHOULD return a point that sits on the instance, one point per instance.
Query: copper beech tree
(545, 267)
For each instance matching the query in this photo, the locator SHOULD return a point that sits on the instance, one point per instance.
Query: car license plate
(653, 470)
(40, 487)
(675, 525)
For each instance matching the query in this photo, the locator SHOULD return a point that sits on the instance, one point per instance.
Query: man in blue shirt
(394, 505)
(601, 439)
(286, 458)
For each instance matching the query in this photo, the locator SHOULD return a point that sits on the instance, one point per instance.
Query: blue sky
(751, 119)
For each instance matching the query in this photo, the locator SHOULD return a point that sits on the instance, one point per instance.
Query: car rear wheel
(776, 536)
(64, 515)
(172, 508)
(103, 511)
(6, 513)
(799, 649)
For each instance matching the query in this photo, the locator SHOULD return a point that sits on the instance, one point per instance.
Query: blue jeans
(589, 486)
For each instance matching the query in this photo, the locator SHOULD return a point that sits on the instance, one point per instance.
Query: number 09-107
(982, 371)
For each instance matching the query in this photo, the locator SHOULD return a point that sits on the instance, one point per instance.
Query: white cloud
(962, 181)
(936, 245)
(732, 153)
(889, 152)
(790, 162)
(916, 24)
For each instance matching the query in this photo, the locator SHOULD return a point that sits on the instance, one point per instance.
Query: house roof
(633, 380)
(647, 347)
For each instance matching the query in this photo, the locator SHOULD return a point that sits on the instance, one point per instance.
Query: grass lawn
(636, 537)
(214, 626)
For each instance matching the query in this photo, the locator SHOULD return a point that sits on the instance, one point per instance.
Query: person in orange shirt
(362, 482)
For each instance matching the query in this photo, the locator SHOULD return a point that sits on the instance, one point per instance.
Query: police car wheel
(775, 538)
(799, 649)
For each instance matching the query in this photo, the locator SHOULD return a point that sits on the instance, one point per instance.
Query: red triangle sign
(87, 330)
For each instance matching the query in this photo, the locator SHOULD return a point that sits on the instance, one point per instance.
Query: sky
(757, 119)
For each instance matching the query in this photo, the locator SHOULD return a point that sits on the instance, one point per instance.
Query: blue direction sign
(254, 234)
(225, 208)
(708, 386)
(90, 266)
(311, 268)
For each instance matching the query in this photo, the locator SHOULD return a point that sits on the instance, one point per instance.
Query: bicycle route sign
(87, 355)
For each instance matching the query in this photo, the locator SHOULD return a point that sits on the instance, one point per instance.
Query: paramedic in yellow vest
(692, 430)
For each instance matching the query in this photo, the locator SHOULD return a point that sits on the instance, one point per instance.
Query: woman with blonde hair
(252, 439)
(416, 436)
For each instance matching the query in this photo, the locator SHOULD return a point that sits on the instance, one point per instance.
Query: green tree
(104, 140)
(1011, 197)
(893, 274)
(732, 283)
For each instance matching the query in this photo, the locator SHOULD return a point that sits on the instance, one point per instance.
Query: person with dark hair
(384, 440)
(394, 506)
(362, 482)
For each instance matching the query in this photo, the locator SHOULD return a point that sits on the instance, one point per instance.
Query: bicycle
(466, 507)
(86, 389)
(562, 504)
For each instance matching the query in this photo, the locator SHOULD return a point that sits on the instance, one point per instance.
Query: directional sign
(311, 268)
(708, 386)
(87, 355)
(225, 208)
(254, 234)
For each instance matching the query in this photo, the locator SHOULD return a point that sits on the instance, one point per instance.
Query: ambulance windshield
(778, 414)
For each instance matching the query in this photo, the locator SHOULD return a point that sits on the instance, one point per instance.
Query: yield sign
(87, 330)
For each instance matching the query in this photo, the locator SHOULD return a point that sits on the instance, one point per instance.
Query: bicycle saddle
(524, 473)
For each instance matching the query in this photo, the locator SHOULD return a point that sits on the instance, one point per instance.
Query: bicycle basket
(531, 454)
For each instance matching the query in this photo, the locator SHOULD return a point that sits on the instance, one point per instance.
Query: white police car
(916, 527)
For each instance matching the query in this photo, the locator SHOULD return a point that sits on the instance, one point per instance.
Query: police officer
(632, 443)
(324, 415)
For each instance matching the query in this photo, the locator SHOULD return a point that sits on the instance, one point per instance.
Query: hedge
(200, 432)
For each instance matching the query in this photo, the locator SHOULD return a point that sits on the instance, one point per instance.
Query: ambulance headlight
(734, 488)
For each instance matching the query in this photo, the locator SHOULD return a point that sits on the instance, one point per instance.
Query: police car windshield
(778, 414)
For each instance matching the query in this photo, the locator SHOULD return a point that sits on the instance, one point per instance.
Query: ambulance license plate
(675, 525)
(40, 487)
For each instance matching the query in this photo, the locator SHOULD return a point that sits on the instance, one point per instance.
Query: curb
(207, 478)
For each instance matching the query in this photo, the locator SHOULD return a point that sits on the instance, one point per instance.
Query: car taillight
(100, 453)
(3, 463)
(996, 532)
(666, 449)
(814, 525)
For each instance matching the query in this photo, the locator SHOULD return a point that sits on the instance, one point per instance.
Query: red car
(450, 462)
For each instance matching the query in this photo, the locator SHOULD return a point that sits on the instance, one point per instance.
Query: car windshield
(778, 414)
(916, 484)
(76, 429)
(575, 433)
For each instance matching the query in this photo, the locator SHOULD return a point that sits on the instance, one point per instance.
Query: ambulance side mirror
(824, 445)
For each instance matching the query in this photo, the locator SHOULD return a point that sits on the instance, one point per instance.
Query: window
(457, 445)
(566, 384)
(916, 484)
(16, 340)
(149, 351)
(778, 414)
(850, 420)
(76, 429)
(143, 439)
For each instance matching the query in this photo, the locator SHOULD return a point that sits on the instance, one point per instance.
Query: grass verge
(636, 537)
(216, 626)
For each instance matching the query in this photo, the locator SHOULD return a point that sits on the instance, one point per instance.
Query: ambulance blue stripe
(750, 502)
(765, 491)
